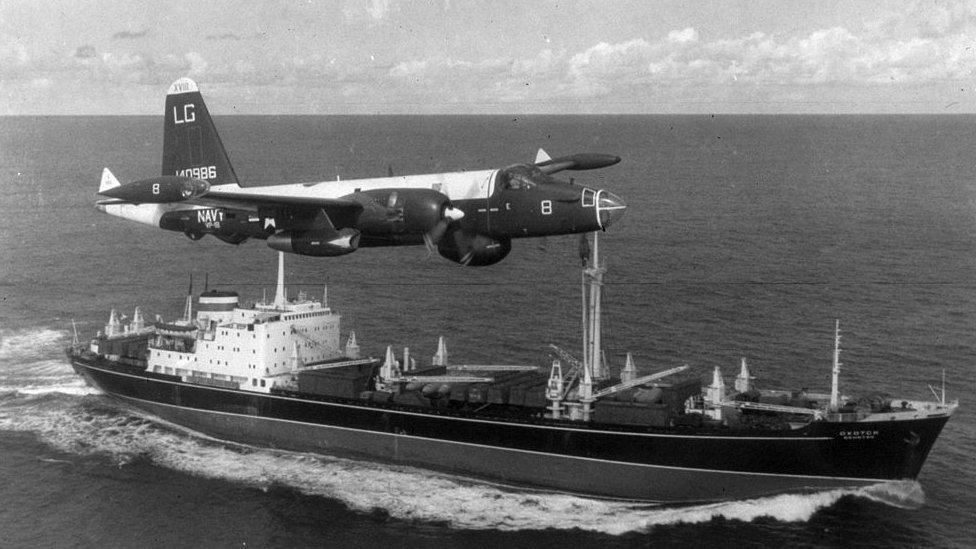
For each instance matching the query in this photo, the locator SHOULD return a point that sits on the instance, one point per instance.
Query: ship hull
(672, 465)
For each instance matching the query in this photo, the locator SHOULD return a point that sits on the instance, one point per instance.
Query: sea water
(744, 237)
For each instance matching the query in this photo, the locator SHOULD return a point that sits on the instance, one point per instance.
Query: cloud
(409, 69)
(13, 53)
(128, 35)
(85, 52)
(683, 36)
(374, 10)
(225, 36)
(935, 50)
(918, 47)
(378, 9)
(197, 63)
(921, 45)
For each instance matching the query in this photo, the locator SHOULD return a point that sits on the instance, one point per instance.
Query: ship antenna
(75, 342)
(941, 399)
(834, 396)
(280, 297)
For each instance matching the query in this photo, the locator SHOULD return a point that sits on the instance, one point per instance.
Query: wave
(99, 427)
(77, 388)
(31, 364)
(27, 343)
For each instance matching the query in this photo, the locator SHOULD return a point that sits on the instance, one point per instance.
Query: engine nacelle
(316, 243)
(473, 249)
(231, 238)
(389, 212)
(231, 226)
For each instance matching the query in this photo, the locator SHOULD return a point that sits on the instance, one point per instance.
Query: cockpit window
(521, 177)
(520, 181)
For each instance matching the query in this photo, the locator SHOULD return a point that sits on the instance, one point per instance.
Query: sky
(101, 57)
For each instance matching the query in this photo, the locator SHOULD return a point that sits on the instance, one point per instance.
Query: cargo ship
(278, 374)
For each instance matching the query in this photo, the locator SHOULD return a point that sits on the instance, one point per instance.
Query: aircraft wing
(185, 190)
(340, 210)
(250, 201)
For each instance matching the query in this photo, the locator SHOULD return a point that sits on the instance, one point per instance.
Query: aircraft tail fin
(108, 181)
(191, 145)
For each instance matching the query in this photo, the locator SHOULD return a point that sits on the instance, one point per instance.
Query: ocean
(745, 236)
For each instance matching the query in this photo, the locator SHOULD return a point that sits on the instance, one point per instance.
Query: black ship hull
(669, 465)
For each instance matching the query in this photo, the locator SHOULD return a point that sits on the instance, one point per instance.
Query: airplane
(468, 217)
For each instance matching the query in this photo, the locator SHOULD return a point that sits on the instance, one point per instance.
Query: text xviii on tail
(469, 217)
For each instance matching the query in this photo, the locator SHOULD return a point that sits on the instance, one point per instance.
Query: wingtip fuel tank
(158, 190)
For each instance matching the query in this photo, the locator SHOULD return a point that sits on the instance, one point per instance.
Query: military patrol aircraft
(469, 217)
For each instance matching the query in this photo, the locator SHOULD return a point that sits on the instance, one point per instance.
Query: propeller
(449, 215)
(392, 211)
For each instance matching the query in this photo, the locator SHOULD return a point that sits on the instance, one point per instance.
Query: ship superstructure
(254, 347)
(276, 374)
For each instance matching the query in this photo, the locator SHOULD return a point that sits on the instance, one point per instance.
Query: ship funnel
(216, 306)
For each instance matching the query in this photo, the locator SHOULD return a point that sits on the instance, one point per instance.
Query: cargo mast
(835, 375)
(592, 282)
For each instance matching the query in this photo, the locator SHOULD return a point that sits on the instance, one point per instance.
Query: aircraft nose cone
(610, 208)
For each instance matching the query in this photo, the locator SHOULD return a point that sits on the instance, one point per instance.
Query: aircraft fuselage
(491, 207)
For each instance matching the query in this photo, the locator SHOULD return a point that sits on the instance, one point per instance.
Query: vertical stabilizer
(108, 181)
(191, 146)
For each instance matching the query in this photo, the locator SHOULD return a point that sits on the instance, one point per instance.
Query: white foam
(28, 342)
(79, 388)
(903, 494)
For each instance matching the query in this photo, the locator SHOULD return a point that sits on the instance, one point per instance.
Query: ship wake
(83, 425)
(32, 364)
